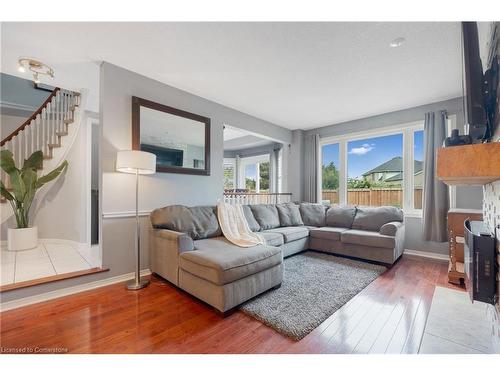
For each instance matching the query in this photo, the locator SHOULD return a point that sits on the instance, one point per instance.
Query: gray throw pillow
(340, 216)
(289, 215)
(313, 214)
(266, 215)
(373, 218)
(198, 222)
(206, 222)
(252, 223)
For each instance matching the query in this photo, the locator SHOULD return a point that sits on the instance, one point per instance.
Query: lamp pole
(137, 283)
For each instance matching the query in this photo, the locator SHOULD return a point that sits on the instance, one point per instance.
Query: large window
(375, 171)
(330, 173)
(383, 168)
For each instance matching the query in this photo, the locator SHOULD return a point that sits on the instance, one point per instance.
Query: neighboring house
(391, 172)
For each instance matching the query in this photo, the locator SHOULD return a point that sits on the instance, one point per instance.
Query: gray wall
(467, 197)
(117, 86)
(18, 100)
(20, 91)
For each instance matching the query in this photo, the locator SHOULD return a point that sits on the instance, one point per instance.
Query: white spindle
(60, 120)
(37, 128)
(32, 135)
(25, 135)
(50, 135)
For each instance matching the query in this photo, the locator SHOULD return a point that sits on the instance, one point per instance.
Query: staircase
(44, 130)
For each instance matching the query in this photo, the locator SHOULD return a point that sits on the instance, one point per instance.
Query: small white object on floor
(455, 325)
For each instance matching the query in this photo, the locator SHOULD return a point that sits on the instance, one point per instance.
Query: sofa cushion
(220, 262)
(198, 222)
(372, 218)
(289, 215)
(252, 223)
(327, 233)
(367, 238)
(273, 238)
(266, 215)
(291, 233)
(313, 214)
(340, 216)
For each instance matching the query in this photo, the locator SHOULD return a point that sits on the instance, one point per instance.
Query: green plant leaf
(52, 175)
(18, 186)
(35, 161)
(29, 178)
(7, 161)
(5, 193)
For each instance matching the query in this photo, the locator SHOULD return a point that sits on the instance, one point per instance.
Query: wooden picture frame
(137, 103)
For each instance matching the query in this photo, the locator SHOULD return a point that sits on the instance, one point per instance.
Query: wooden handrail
(31, 118)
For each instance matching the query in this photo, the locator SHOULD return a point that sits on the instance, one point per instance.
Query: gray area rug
(314, 286)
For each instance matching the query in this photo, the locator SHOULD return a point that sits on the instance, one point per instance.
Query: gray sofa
(188, 249)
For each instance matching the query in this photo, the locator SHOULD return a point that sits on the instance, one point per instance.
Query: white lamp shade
(136, 161)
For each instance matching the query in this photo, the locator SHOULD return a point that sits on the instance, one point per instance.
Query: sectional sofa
(189, 250)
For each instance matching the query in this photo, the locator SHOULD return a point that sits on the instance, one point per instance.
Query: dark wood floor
(387, 317)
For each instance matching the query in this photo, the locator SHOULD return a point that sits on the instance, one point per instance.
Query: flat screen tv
(473, 80)
(165, 157)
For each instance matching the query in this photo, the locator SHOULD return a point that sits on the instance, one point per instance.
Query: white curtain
(311, 162)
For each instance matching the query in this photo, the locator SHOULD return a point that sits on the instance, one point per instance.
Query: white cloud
(364, 149)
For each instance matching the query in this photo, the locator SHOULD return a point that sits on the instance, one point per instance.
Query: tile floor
(456, 326)
(48, 259)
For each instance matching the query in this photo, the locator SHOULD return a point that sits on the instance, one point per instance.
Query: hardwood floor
(387, 317)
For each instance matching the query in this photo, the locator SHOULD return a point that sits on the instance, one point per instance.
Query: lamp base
(132, 285)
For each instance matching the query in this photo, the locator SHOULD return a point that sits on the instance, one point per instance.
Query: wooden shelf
(477, 164)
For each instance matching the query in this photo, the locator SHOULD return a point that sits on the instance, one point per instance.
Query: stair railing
(43, 129)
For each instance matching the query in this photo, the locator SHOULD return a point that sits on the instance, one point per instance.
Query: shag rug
(315, 285)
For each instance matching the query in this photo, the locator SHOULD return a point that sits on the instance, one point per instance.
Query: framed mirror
(179, 139)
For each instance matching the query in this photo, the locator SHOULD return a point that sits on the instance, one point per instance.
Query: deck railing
(239, 197)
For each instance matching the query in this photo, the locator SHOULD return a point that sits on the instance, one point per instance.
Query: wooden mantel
(477, 164)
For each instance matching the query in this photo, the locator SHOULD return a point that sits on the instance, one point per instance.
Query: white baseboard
(426, 254)
(4, 306)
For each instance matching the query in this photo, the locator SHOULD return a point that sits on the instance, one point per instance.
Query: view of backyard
(375, 171)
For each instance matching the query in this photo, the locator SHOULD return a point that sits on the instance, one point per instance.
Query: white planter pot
(22, 239)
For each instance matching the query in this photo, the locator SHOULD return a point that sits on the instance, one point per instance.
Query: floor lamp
(136, 162)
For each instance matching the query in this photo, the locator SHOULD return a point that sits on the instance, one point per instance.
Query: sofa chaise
(189, 250)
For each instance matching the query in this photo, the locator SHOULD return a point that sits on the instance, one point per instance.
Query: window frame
(232, 162)
(249, 160)
(407, 130)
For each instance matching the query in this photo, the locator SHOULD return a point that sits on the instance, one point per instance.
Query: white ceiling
(239, 139)
(297, 75)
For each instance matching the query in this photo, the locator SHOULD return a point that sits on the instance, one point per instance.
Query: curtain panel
(436, 197)
(311, 163)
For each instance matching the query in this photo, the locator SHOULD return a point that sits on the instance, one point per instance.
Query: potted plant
(24, 183)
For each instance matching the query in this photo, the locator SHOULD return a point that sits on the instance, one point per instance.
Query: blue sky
(368, 153)
(251, 171)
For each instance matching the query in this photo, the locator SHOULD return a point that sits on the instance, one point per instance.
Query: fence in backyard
(374, 197)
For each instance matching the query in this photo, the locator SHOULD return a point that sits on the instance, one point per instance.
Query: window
(330, 173)
(375, 171)
(418, 169)
(254, 174)
(229, 174)
(377, 168)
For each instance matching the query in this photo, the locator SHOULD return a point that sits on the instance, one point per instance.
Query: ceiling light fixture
(398, 42)
(36, 67)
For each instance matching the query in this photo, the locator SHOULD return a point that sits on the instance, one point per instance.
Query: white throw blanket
(235, 227)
